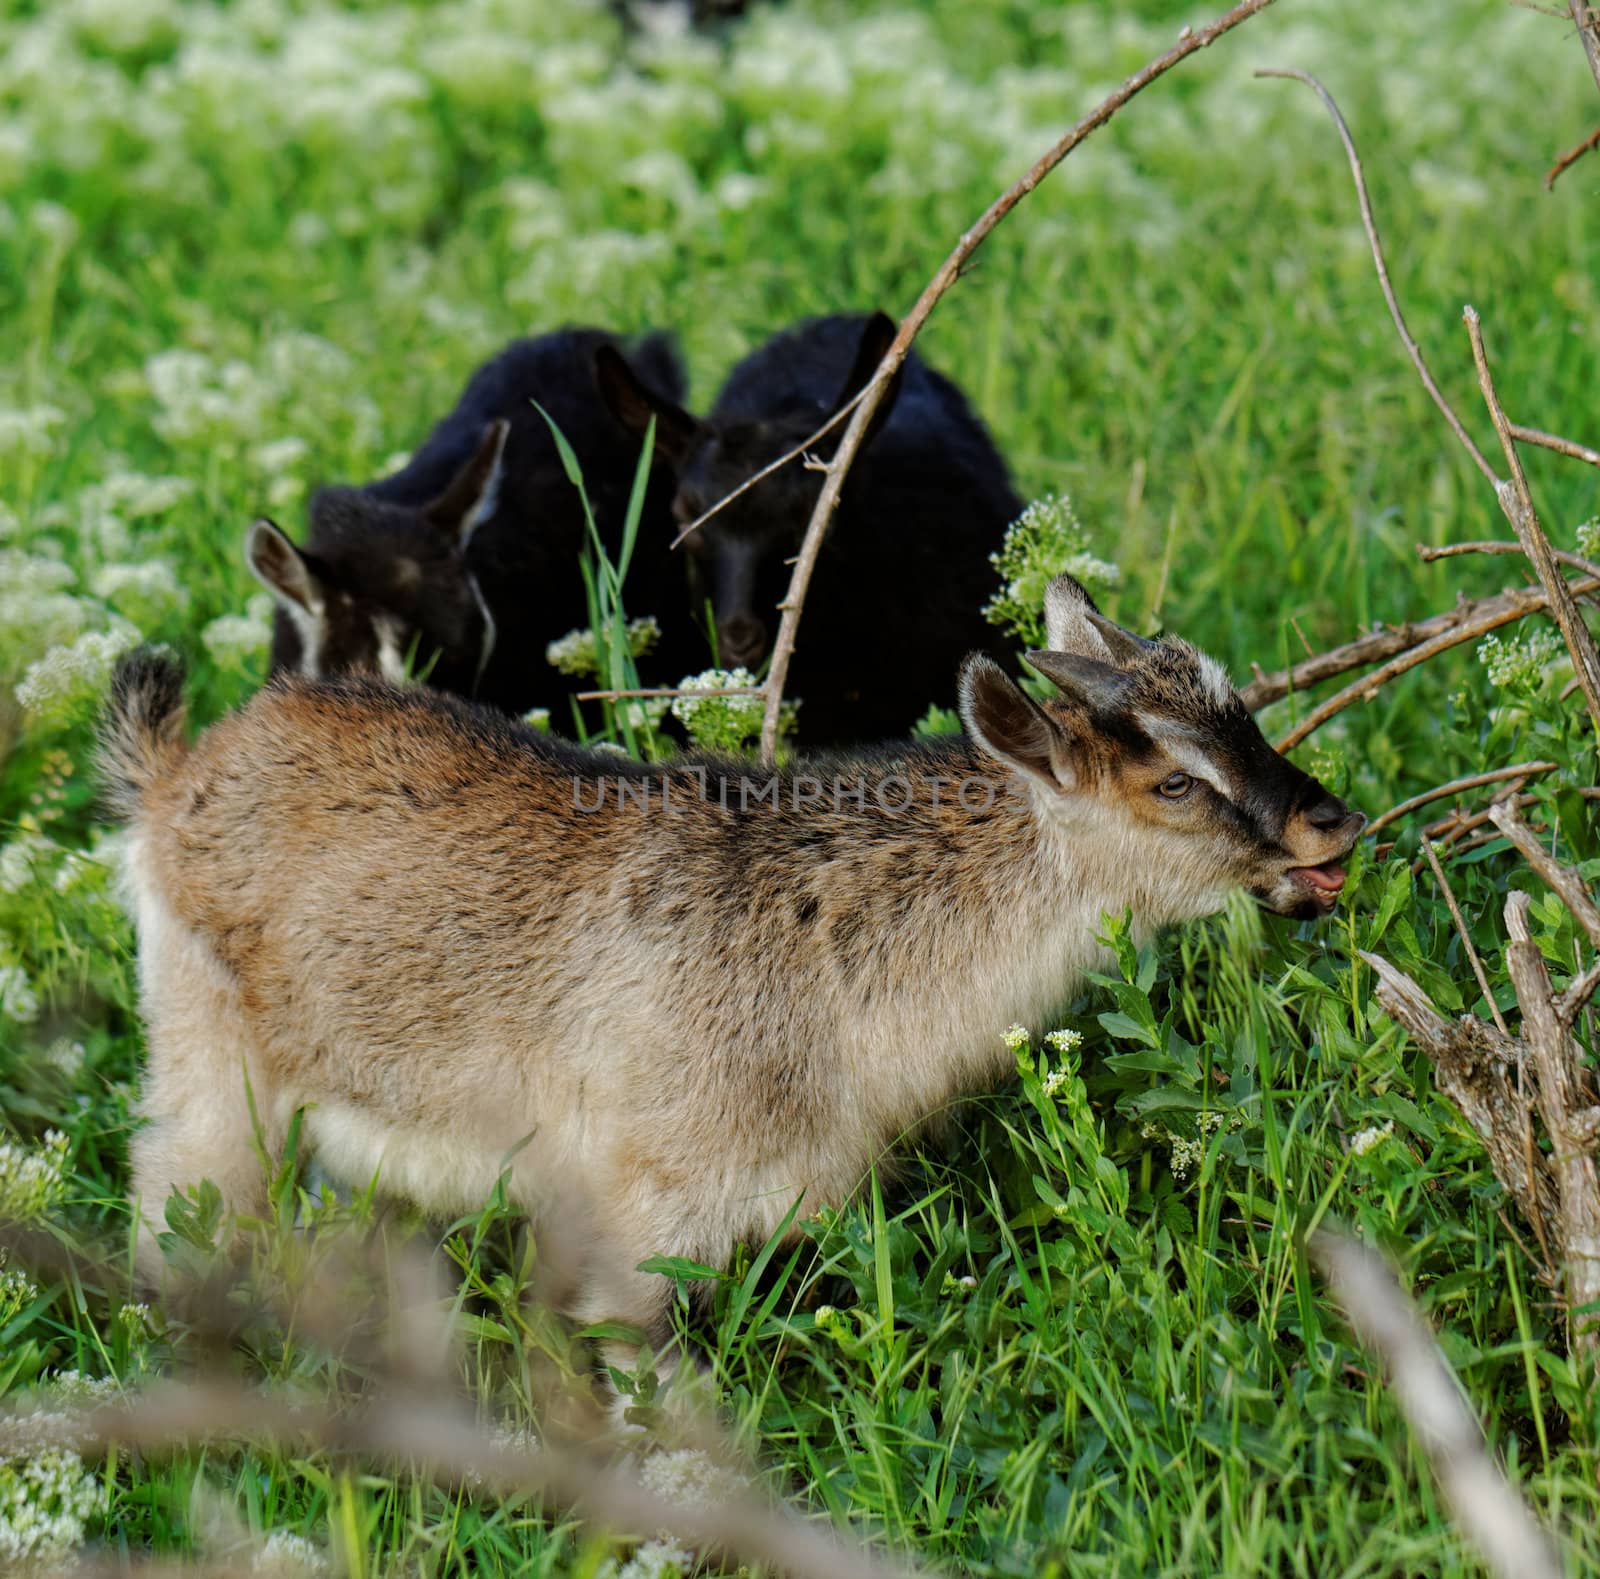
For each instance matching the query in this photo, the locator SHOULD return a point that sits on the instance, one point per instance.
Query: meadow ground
(245, 248)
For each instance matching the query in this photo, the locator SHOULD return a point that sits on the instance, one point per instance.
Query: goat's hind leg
(202, 1072)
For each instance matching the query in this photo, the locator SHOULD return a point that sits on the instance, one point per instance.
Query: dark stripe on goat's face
(1185, 701)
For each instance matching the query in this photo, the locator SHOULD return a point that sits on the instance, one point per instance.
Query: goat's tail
(141, 735)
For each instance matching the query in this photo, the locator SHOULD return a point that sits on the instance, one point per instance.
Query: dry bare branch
(1564, 1103)
(1562, 879)
(1587, 21)
(1465, 936)
(1570, 158)
(1488, 1510)
(1490, 614)
(1554, 441)
(1472, 1063)
(1428, 553)
(1569, 886)
(949, 271)
(1413, 350)
(1456, 786)
(1471, 618)
(1517, 503)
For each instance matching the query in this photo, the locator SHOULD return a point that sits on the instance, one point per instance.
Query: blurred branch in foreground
(1484, 1505)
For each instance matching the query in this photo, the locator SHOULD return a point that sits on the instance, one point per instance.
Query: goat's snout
(742, 640)
(1330, 812)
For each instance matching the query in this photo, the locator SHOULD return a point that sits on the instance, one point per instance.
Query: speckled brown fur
(393, 910)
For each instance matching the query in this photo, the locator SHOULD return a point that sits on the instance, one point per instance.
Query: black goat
(899, 587)
(466, 560)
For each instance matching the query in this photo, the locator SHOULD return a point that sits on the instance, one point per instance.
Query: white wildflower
(145, 593)
(719, 723)
(36, 610)
(691, 1478)
(17, 1291)
(65, 1057)
(1016, 1038)
(32, 1178)
(78, 1391)
(1056, 1083)
(29, 428)
(60, 683)
(1366, 1139)
(1045, 541)
(18, 1004)
(47, 1500)
(1589, 538)
(287, 1556)
(657, 1559)
(576, 653)
(136, 496)
(233, 639)
(280, 455)
(125, 26)
(1520, 663)
(22, 860)
(739, 190)
(1064, 1041)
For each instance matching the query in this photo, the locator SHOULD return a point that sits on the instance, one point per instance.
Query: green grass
(336, 211)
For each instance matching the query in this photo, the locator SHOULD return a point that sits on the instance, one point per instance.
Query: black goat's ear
(283, 570)
(877, 335)
(633, 403)
(1011, 727)
(470, 498)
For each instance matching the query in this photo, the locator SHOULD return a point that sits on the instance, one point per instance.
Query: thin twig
(1579, 991)
(1413, 350)
(1584, 17)
(1554, 441)
(1466, 937)
(1449, 550)
(1478, 841)
(1455, 786)
(667, 690)
(877, 387)
(1570, 158)
(772, 466)
(1517, 502)
(1456, 826)
(1474, 617)
(1509, 606)
(1496, 1520)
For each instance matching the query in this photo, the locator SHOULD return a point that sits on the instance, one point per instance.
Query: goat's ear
(1011, 726)
(282, 569)
(1098, 686)
(633, 402)
(470, 498)
(1074, 625)
(876, 338)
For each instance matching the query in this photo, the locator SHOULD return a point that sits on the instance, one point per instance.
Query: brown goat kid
(692, 992)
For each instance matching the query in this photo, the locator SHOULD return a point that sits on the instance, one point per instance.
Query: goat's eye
(1175, 786)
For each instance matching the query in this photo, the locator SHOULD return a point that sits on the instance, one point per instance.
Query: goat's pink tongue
(1330, 879)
